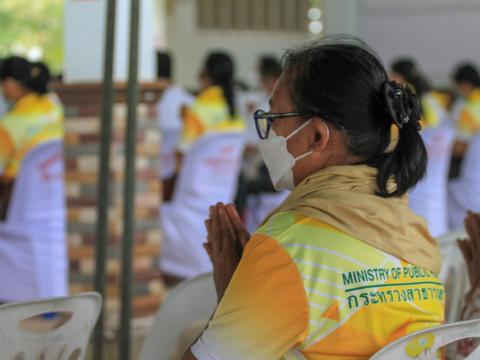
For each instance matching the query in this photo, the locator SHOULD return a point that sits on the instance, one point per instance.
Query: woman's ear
(322, 134)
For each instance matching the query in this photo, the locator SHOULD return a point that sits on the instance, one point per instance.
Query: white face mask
(279, 161)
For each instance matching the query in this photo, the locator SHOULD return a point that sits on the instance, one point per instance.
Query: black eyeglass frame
(260, 114)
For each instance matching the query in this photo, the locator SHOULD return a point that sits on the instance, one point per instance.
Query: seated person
(36, 117)
(467, 82)
(213, 110)
(343, 267)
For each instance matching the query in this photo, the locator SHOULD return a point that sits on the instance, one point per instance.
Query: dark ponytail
(341, 80)
(408, 160)
(220, 70)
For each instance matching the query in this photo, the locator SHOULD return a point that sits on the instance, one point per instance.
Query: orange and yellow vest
(305, 290)
(208, 113)
(33, 120)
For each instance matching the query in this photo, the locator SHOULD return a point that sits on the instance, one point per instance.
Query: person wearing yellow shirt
(214, 109)
(342, 267)
(467, 82)
(36, 117)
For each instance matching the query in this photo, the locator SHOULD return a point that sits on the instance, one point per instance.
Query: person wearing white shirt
(169, 116)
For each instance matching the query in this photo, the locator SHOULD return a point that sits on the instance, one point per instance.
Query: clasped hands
(226, 238)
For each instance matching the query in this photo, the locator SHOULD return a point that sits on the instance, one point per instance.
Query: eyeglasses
(264, 120)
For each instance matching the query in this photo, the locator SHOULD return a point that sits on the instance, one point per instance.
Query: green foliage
(25, 24)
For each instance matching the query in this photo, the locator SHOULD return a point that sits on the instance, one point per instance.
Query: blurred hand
(470, 248)
(226, 237)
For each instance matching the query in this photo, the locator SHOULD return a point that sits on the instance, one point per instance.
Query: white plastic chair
(33, 254)
(56, 328)
(464, 192)
(191, 301)
(430, 197)
(423, 345)
(453, 274)
(209, 175)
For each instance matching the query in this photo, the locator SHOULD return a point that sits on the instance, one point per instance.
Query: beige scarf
(344, 197)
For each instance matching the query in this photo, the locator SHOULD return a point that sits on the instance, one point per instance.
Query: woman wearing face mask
(35, 117)
(342, 267)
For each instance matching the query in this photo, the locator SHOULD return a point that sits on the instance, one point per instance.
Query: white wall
(85, 39)
(437, 33)
(190, 45)
(342, 16)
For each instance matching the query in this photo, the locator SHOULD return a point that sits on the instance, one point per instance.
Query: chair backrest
(430, 197)
(56, 328)
(210, 171)
(452, 274)
(38, 195)
(451, 237)
(424, 344)
(189, 302)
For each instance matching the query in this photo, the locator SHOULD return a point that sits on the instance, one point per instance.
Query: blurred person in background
(35, 117)
(214, 109)
(169, 110)
(297, 290)
(269, 70)
(210, 150)
(467, 115)
(434, 103)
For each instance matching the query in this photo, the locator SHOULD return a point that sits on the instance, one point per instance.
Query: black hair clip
(402, 104)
